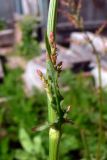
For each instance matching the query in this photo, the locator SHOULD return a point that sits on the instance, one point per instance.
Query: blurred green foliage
(2, 24)
(29, 47)
(20, 114)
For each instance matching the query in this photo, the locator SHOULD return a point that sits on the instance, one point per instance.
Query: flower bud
(68, 109)
(40, 74)
(60, 64)
(54, 58)
(51, 38)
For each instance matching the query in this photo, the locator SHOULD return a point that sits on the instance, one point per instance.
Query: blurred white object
(30, 7)
(30, 77)
(95, 74)
(80, 39)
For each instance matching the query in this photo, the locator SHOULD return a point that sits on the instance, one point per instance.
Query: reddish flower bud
(54, 58)
(51, 38)
(40, 74)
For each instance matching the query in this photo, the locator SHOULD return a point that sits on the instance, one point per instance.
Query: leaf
(26, 142)
(37, 144)
(39, 148)
(21, 155)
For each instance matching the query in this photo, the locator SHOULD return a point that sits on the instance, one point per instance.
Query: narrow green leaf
(37, 144)
(22, 155)
(25, 141)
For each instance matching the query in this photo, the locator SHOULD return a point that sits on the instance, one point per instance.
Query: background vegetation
(20, 114)
(29, 46)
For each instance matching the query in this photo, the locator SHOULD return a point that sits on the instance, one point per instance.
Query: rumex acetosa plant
(57, 116)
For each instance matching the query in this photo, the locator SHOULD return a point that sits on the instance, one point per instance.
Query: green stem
(100, 100)
(84, 140)
(52, 17)
(54, 141)
(98, 156)
(54, 132)
(51, 27)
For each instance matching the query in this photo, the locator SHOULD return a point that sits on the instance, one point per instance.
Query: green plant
(32, 149)
(18, 112)
(29, 46)
(57, 116)
(2, 24)
(21, 112)
(54, 97)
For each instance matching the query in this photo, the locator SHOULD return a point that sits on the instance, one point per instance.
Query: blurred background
(82, 46)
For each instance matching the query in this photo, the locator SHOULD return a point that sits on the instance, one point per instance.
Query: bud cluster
(43, 79)
(53, 56)
(51, 81)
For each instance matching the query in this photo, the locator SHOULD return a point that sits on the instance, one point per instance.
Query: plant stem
(54, 132)
(100, 103)
(52, 17)
(84, 140)
(98, 156)
(54, 135)
(54, 140)
(100, 100)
